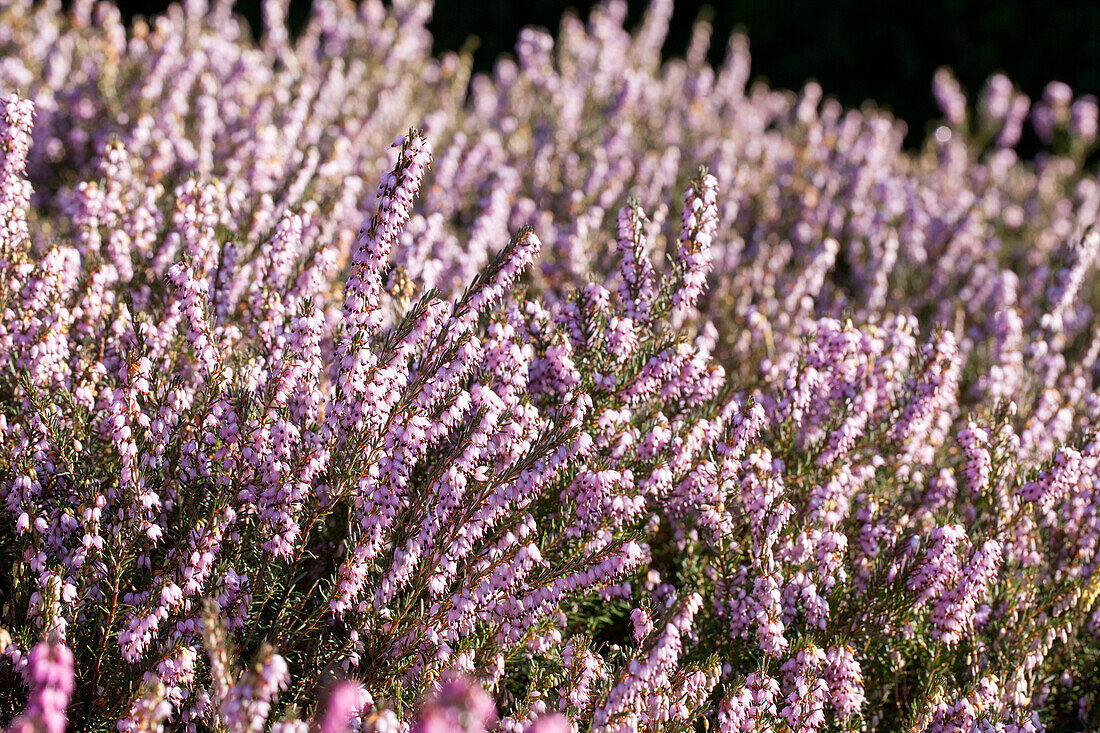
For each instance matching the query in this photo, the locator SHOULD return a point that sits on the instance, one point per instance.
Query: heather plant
(633, 398)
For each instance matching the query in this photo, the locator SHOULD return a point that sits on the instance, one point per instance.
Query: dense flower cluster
(643, 399)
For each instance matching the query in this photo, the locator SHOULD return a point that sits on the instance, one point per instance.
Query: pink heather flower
(149, 710)
(996, 99)
(949, 97)
(637, 282)
(979, 463)
(347, 699)
(378, 236)
(940, 566)
(1064, 292)
(510, 263)
(932, 397)
(430, 448)
(643, 624)
(968, 711)
(248, 701)
(1053, 111)
(550, 723)
(584, 668)
(1084, 119)
(49, 675)
(459, 706)
(953, 612)
(290, 726)
(1054, 483)
(644, 691)
(1013, 129)
(844, 677)
(806, 690)
(16, 118)
(698, 228)
(751, 707)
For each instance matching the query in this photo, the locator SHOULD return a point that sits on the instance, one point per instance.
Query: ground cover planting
(614, 394)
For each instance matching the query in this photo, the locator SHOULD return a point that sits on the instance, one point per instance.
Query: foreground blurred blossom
(49, 675)
(346, 700)
(460, 706)
(552, 723)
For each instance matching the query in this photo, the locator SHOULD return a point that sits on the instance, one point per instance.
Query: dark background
(884, 50)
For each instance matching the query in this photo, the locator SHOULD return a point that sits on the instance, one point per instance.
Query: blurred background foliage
(881, 50)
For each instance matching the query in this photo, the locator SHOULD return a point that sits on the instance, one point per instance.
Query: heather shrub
(631, 398)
